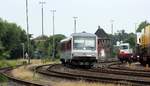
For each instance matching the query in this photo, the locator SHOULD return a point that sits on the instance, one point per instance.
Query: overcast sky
(90, 13)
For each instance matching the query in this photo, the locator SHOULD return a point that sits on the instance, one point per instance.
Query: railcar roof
(66, 39)
(83, 34)
(125, 44)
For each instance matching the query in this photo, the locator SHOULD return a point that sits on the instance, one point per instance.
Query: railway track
(103, 75)
(120, 71)
(5, 72)
(122, 67)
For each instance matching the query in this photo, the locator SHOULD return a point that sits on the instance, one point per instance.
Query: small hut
(104, 44)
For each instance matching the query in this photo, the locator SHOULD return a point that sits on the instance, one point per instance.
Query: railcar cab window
(84, 43)
(124, 47)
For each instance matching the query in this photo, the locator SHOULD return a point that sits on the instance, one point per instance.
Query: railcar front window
(84, 43)
(78, 43)
(124, 47)
(90, 44)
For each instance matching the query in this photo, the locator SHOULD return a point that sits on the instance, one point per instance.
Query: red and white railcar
(125, 52)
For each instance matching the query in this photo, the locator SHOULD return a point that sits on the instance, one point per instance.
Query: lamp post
(135, 35)
(27, 23)
(53, 55)
(42, 3)
(75, 23)
(111, 49)
(22, 50)
(112, 26)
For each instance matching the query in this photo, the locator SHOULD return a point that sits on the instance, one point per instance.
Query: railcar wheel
(121, 60)
(62, 61)
(142, 61)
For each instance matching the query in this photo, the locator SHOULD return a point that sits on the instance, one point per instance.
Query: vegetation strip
(24, 82)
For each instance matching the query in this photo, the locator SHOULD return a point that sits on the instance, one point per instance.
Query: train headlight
(93, 54)
(88, 55)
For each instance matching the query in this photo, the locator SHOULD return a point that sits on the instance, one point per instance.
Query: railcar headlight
(88, 55)
(93, 54)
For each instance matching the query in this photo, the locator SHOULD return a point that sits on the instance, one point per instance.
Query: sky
(91, 13)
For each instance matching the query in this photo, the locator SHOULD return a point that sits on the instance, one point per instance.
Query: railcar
(79, 49)
(125, 52)
(144, 46)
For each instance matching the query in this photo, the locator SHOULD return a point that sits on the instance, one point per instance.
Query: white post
(27, 23)
(53, 11)
(75, 24)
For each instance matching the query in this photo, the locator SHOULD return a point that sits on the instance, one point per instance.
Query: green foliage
(16, 52)
(11, 37)
(45, 48)
(57, 38)
(142, 25)
(131, 40)
(3, 78)
(9, 63)
(124, 37)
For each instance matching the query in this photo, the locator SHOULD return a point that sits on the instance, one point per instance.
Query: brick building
(104, 43)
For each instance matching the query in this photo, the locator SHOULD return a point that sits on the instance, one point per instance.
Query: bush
(8, 63)
(3, 78)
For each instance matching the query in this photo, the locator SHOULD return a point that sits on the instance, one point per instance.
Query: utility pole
(135, 31)
(53, 56)
(112, 27)
(42, 3)
(75, 24)
(27, 23)
(135, 49)
(111, 49)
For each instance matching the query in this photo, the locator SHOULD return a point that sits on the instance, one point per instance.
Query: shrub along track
(6, 72)
(103, 74)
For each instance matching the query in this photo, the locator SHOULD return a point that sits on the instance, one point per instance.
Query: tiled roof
(101, 33)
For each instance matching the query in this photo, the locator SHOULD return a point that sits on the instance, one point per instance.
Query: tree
(43, 46)
(131, 40)
(58, 38)
(124, 37)
(11, 37)
(142, 25)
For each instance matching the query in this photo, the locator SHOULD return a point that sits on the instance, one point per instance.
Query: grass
(3, 78)
(24, 73)
(9, 63)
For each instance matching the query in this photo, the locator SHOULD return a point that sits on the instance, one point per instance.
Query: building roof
(101, 33)
(83, 34)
